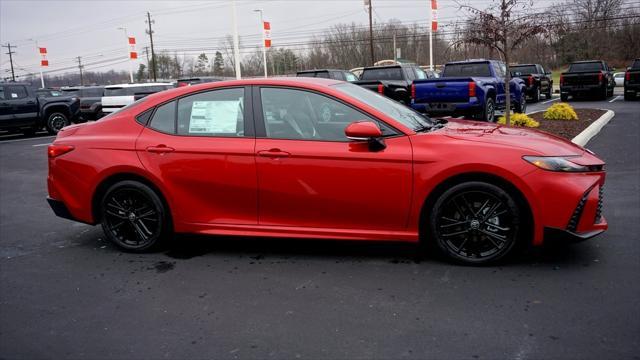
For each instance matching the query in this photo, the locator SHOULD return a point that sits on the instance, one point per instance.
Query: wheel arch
(114, 178)
(507, 185)
(48, 110)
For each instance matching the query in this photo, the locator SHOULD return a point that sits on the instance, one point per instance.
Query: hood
(534, 141)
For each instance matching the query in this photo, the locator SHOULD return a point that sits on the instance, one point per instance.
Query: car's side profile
(318, 158)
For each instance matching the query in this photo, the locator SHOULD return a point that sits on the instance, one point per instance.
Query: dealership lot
(66, 292)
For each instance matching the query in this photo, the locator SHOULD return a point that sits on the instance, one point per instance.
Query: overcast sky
(89, 28)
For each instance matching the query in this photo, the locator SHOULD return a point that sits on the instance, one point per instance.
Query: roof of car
(523, 65)
(389, 66)
(586, 61)
(316, 70)
(470, 61)
(14, 83)
(134, 85)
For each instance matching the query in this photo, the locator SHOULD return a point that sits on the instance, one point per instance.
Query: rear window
(591, 66)
(464, 70)
(394, 73)
(636, 65)
(525, 70)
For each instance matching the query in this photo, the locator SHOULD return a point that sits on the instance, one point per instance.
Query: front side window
(164, 119)
(420, 74)
(303, 115)
(350, 77)
(15, 92)
(212, 113)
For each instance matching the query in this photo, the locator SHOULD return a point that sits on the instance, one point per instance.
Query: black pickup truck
(21, 110)
(587, 77)
(632, 81)
(536, 78)
(392, 81)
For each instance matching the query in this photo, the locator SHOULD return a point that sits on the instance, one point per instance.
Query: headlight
(560, 163)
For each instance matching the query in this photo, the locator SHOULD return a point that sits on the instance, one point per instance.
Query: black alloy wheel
(536, 97)
(475, 223)
(489, 113)
(521, 107)
(133, 216)
(55, 122)
(549, 93)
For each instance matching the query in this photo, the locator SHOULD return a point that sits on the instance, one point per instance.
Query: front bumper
(562, 235)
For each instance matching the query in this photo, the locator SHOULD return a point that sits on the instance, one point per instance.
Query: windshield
(524, 69)
(467, 69)
(402, 114)
(592, 66)
(392, 73)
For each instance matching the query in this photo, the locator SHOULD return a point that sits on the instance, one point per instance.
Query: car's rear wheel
(549, 93)
(536, 95)
(475, 223)
(564, 97)
(521, 107)
(134, 217)
(56, 121)
(489, 112)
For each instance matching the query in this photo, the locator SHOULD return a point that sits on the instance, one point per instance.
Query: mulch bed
(568, 129)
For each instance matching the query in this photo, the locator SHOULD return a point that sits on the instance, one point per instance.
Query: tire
(134, 217)
(475, 223)
(549, 93)
(536, 96)
(564, 97)
(521, 107)
(488, 113)
(629, 96)
(56, 121)
(604, 93)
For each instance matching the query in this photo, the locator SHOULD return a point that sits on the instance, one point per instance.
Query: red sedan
(316, 158)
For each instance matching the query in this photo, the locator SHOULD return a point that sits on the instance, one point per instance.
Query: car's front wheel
(134, 217)
(56, 121)
(475, 223)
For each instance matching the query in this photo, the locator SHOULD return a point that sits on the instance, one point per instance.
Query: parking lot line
(615, 98)
(18, 140)
(36, 145)
(548, 101)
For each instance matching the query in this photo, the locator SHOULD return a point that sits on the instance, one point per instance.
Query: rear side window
(164, 119)
(350, 77)
(212, 113)
(464, 70)
(13, 92)
(322, 74)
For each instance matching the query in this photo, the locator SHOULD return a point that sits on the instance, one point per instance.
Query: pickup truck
(21, 110)
(593, 77)
(632, 81)
(537, 79)
(90, 100)
(468, 88)
(392, 81)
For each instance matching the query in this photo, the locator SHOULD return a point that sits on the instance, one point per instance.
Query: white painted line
(592, 130)
(548, 101)
(615, 98)
(18, 140)
(36, 145)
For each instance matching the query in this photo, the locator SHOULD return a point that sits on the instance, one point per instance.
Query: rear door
(314, 178)
(201, 147)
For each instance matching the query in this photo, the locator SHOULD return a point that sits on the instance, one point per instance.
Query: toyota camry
(321, 159)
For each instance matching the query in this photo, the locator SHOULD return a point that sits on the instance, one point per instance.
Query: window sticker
(14, 95)
(218, 117)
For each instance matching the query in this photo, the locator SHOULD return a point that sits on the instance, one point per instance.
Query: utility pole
(10, 53)
(146, 50)
(236, 45)
(153, 54)
(373, 60)
(80, 68)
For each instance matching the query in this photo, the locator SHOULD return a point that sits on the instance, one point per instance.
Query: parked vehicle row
(90, 100)
(22, 110)
(343, 75)
(392, 81)
(632, 81)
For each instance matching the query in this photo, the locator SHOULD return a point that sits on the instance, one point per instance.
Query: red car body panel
(316, 189)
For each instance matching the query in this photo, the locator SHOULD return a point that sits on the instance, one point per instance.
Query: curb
(592, 130)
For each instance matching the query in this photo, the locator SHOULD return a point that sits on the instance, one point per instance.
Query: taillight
(472, 89)
(530, 80)
(600, 76)
(381, 89)
(57, 150)
(627, 75)
(413, 91)
(561, 80)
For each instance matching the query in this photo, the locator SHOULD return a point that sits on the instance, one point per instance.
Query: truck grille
(599, 208)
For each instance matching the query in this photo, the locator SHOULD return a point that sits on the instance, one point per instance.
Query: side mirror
(366, 131)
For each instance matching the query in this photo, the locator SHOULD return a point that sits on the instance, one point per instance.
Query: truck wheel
(521, 107)
(489, 112)
(564, 97)
(628, 96)
(549, 93)
(536, 95)
(56, 121)
(604, 94)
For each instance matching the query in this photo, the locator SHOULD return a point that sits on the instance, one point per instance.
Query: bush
(560, 111)
(520, 120)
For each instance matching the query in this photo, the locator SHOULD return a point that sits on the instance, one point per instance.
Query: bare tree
(501, 27)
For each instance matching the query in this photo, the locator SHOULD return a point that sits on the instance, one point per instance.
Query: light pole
(126, 35)
(236, 46)
(264, 46)
(41, 73)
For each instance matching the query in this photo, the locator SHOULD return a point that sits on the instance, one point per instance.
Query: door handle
(273, 153)
(160, 149)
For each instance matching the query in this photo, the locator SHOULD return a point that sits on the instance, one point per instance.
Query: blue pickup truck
(468, 88)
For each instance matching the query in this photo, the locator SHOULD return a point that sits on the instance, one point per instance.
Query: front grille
(599, 208)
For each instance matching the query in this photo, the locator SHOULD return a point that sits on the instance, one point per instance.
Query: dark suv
(90, 100)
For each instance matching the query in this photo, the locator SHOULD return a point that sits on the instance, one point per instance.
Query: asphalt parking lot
(67, 293)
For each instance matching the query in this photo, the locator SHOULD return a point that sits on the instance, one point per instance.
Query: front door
(311, 175)
(202, 149)
(18, 107)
